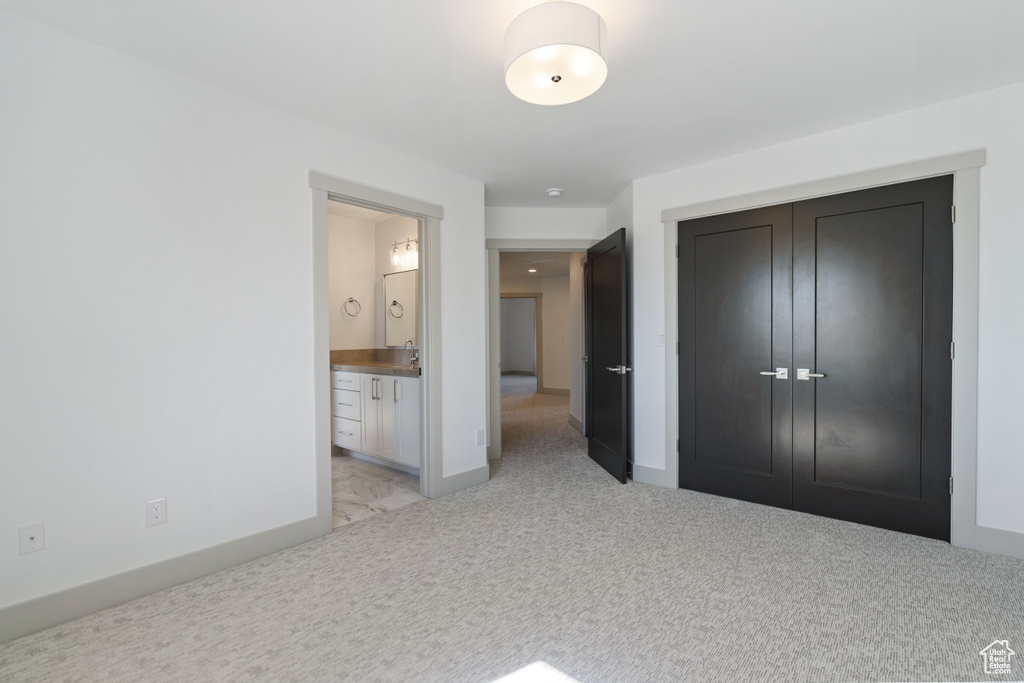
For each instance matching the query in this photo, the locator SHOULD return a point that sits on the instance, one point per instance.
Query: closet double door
(815, 356)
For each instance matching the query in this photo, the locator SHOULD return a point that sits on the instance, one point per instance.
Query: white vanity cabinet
(378, 415)
(407, 420)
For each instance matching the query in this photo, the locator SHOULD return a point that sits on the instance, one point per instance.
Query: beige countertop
(379, 368)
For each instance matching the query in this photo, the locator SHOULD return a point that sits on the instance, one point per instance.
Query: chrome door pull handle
(620, 369)
(780, 373)
(805, 374)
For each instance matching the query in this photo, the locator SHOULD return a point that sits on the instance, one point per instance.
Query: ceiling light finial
(556, 53)
(555, 192)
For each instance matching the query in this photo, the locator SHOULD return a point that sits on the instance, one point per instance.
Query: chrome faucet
(415, 352)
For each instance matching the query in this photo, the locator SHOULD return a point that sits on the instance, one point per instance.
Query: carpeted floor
(554, 561)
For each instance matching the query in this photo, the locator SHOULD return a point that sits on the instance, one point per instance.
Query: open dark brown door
(609, 368)
(735, 352)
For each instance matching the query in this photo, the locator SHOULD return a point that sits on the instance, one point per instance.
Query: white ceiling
(517, 264)
(689, 80)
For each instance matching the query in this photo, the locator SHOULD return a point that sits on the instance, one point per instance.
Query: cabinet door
(371, 414)
(386, 391)
(407, 421)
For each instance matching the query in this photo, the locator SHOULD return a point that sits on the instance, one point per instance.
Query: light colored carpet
(554, 561)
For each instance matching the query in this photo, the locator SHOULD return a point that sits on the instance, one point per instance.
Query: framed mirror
(401, 308)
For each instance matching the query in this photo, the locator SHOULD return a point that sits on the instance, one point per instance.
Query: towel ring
(391, 310)
(345, 307)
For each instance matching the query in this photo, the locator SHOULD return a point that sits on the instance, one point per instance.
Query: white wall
(619, 213)
(397, 229)
(160, 344)
(548, 224)
(555, 325)
(990, 120)
(351, 272)
(519, 336)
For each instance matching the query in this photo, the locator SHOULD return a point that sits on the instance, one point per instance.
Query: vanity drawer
(345, 380)
(346, 404)
(347, 433)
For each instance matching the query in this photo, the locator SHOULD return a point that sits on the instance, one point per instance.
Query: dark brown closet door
(873, 286)
(735, 324)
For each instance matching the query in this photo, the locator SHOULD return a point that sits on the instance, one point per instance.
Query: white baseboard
(998, 541)
(366, 457)
(56, 608)
(650, 475)
(577, 425)
(549, 390)
(465, 480)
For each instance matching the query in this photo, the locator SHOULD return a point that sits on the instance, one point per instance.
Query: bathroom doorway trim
(327, 188)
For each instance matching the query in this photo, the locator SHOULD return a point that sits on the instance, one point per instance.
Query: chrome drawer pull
(348, 433)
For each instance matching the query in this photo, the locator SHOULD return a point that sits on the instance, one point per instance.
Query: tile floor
(361, 489)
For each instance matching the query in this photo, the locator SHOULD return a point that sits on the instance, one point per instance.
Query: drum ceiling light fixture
(555, 53)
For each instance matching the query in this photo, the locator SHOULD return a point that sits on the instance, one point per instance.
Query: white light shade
(555, 53)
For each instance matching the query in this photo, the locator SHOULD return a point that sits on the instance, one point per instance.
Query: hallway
(533, 423)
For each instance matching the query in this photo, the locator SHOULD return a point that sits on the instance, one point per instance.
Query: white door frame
(494, 249)
(327, 188)
(965, 168)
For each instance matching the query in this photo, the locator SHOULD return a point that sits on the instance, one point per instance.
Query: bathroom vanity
(376, 410)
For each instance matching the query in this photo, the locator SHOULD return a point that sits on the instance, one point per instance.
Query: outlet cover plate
(33, 537)
(479, 437)
(156, 511)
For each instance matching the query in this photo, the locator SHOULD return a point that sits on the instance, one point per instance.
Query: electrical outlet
(661, 339)
(156, 511)
(479, 437)
(33, 537)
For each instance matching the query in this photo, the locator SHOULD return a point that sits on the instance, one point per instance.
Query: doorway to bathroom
(373, 277)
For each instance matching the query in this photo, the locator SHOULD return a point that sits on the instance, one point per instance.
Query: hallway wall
(519, 336)
(555, 325)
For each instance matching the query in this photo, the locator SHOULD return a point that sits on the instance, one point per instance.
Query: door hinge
(677, 251)
(951, 486)
(677, 445)
(952, 214)
(677, 348)
(952, 350)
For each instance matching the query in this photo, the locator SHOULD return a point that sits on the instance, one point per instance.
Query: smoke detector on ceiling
(555, 192)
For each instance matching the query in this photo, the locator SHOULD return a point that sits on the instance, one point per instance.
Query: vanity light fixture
(556, 53)
(407, 258)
